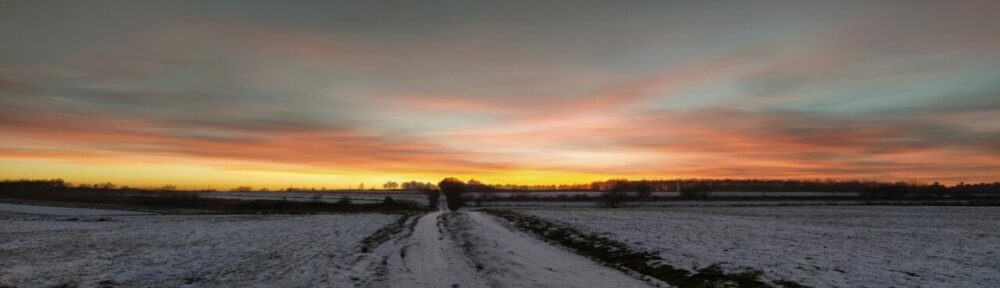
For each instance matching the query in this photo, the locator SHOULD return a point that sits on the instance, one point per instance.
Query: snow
(193, 251)
(474, 250)
(720, 203)
(62, 211)
(545, 194)
(329, 197)
(431, 261)
(438, 249)
(518, 260)
(847, 246)
(821, 246)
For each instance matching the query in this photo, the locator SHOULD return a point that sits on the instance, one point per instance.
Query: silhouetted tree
(476, 186)
(105, 186)
(417, 186)
(390, 185)
(616, 195)
(643, 189)
(242, 189)
(433, 198)
(453, 189)
(937, 190)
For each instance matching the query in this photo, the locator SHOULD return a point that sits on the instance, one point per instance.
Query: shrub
(453, 190)
(388, 201)
(615, 196)
(433, 197)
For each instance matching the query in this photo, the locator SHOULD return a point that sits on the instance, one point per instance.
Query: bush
(388, 201)
(453, 190)
(613, 198)
(643, 189)
(616, 195)
(693, 193)
(433, 198)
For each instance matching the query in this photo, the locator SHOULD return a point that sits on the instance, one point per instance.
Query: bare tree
(391, 185)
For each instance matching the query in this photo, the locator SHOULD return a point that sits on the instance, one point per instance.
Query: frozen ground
(469, 249)
(329, 197)
(6, 208)
(545, 194)
(439, 249)
(177, 251)
(852, 246)
(735, 203)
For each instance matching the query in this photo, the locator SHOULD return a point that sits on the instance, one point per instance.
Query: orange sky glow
(346, 93)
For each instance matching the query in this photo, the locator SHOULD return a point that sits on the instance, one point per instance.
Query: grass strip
(618, 255)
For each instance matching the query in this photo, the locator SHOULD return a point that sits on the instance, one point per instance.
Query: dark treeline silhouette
(644, 187)
(417, 186)
(614, 192)
(866, 189)
(168, 197)
(745, 185)
(976, 188)
(640, 186)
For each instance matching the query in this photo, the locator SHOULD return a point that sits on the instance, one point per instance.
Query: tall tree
(453, 189)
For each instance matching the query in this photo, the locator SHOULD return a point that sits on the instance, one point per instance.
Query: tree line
(169, 197)
(614, 191)
(744, 185)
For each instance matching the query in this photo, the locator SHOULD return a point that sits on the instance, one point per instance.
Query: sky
(338, 93)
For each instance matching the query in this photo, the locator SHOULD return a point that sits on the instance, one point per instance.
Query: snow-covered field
(177, 251)
(439, 249)
(469, 249)
(852, 246)
(822, 246)
(731, 203)
(329, 197)
(546, 194)
(61, 211)
(711, 194)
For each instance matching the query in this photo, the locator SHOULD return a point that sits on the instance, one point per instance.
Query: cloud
(656, 89)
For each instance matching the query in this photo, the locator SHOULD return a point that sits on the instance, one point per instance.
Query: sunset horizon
(546, 144)
(151, 94)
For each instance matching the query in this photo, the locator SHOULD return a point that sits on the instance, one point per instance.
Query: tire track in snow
(469, 249)
(432, 259)
(516, 259)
